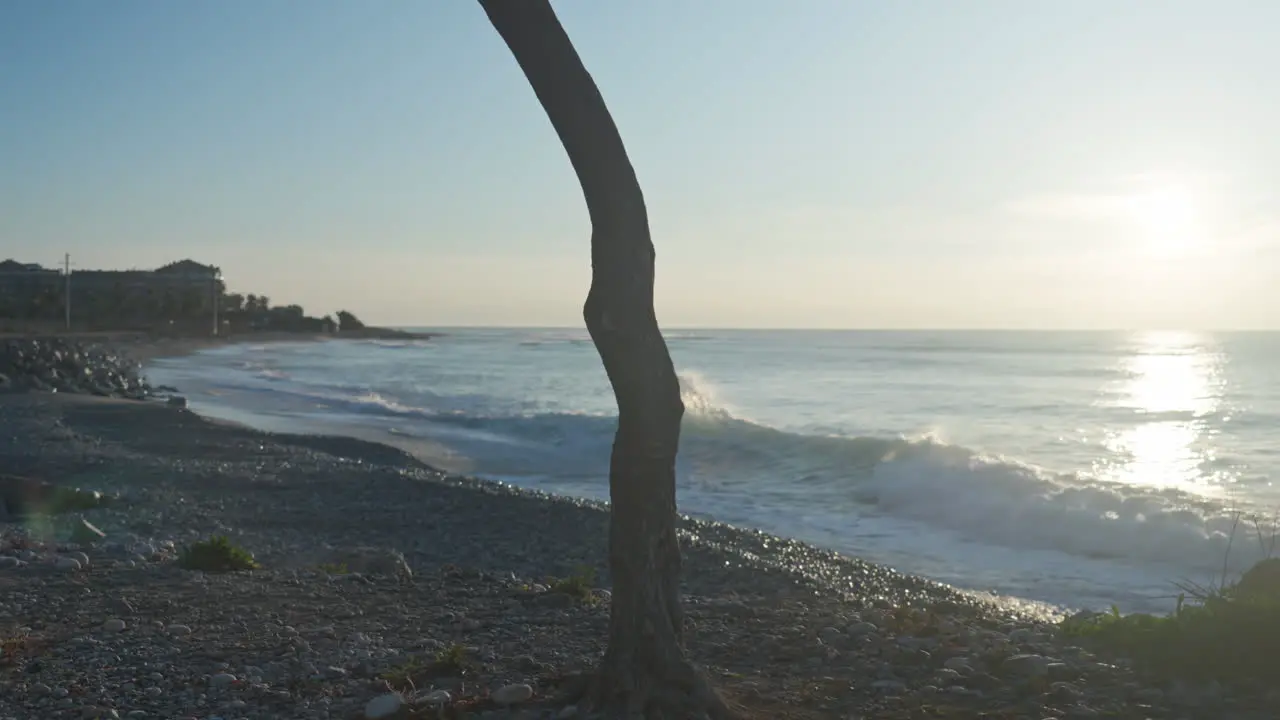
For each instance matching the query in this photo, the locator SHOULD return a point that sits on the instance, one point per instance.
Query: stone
(383, 706)
(176, 401)
(179, 630)
(567, 712)
(9, 563)
(436, 698)
(1026, 666)
(80, 558)
(67, 563)
(86, 533)
(862, 629)
(958, 664)
(222, 680)
(512, 694)
(114, 625)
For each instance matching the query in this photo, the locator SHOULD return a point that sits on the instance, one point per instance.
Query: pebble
(222, 680)
(114, 625)
(1026, 665)
(383, 706)
(436, 698)
(179, 630)
(512, 694)
(67, 563)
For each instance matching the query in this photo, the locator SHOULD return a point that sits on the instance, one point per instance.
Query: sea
(1069, 469)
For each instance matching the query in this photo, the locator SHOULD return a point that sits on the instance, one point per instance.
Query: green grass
(579, 585)
(1228, 632)
(333, 568)
(451, 661)
(216, 554)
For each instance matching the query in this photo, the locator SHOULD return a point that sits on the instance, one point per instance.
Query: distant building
(183, 289)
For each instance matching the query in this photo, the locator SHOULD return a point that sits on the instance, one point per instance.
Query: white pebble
(512, 694)
(383, 706)
(438, 697)
(66, 563)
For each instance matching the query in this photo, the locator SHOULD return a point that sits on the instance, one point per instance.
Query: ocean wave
(977, 496)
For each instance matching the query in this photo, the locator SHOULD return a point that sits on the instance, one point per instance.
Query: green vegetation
(450, 661)
(579, 585)
(1229, 632)
(333, 568)
(216, 554)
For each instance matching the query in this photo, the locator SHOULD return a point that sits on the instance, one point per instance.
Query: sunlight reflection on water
(1177, 380)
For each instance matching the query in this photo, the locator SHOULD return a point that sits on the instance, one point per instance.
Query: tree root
(634, 693)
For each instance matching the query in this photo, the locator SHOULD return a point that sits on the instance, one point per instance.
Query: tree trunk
(645, 672)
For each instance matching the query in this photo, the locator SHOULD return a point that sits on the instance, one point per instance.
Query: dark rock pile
(67, 365)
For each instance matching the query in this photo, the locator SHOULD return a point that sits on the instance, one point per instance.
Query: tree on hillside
(645, 671)
(348, 321)
(233, 302)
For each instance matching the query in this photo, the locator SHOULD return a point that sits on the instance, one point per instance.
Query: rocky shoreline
(376, 567)
(60, 364)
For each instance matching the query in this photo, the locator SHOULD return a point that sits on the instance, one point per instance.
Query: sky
(822, 163)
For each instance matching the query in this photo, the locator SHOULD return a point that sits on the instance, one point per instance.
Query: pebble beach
(374, 568)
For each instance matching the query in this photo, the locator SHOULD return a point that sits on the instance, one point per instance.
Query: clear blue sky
(821, 163)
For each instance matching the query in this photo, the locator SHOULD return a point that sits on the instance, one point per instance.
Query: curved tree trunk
(645, 671)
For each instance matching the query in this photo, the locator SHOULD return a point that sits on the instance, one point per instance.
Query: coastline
(144, 347)
(783, 627)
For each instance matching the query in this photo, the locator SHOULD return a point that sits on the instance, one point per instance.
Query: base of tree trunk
(622, 690)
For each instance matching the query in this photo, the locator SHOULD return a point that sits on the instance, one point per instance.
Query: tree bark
(645, 672)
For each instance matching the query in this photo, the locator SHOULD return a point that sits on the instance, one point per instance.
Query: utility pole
(217, 298)
(66, 301)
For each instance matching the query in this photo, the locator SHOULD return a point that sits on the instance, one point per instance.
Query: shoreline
(144, 347)
(770, 615)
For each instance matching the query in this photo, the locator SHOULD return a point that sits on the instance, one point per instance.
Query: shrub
(1229, 632)
(579, 585)
(216, 554)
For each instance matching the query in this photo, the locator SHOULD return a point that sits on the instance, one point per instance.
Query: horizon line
(398, 326)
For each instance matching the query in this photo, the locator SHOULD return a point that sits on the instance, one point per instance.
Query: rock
(383, 706)
(179, 630)
(114, 625)
(567, 712)
(888, 686)
(512, 694)
(80, 558)
(9, 563)
(61, 364)
(176, 401)
(862, 629)
(222, 680)
(67, 563)
(958, 664)
(86, 533)
(435, 698)
(1026, 666)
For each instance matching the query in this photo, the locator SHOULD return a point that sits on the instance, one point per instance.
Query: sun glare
(1166, 220)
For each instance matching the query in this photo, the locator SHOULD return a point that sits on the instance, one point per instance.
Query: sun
(1166, 220)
